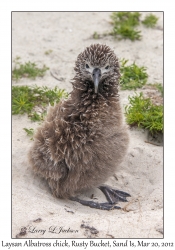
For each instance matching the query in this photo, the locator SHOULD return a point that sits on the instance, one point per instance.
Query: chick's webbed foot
(92, 204)
(112, 195)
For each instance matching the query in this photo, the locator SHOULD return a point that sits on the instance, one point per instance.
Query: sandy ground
(140, 174)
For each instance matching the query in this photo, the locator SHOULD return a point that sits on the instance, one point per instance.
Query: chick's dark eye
(107, 67)
(87, 66)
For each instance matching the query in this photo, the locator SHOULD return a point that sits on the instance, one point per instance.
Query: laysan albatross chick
(83, 139)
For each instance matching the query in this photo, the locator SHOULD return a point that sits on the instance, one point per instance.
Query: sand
(140, 174)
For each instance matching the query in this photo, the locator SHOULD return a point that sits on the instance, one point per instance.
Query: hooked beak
(96, 74)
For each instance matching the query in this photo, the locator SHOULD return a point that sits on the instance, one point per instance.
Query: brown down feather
(83, 139)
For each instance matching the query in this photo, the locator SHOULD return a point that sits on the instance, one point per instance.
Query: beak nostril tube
(96, 74)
